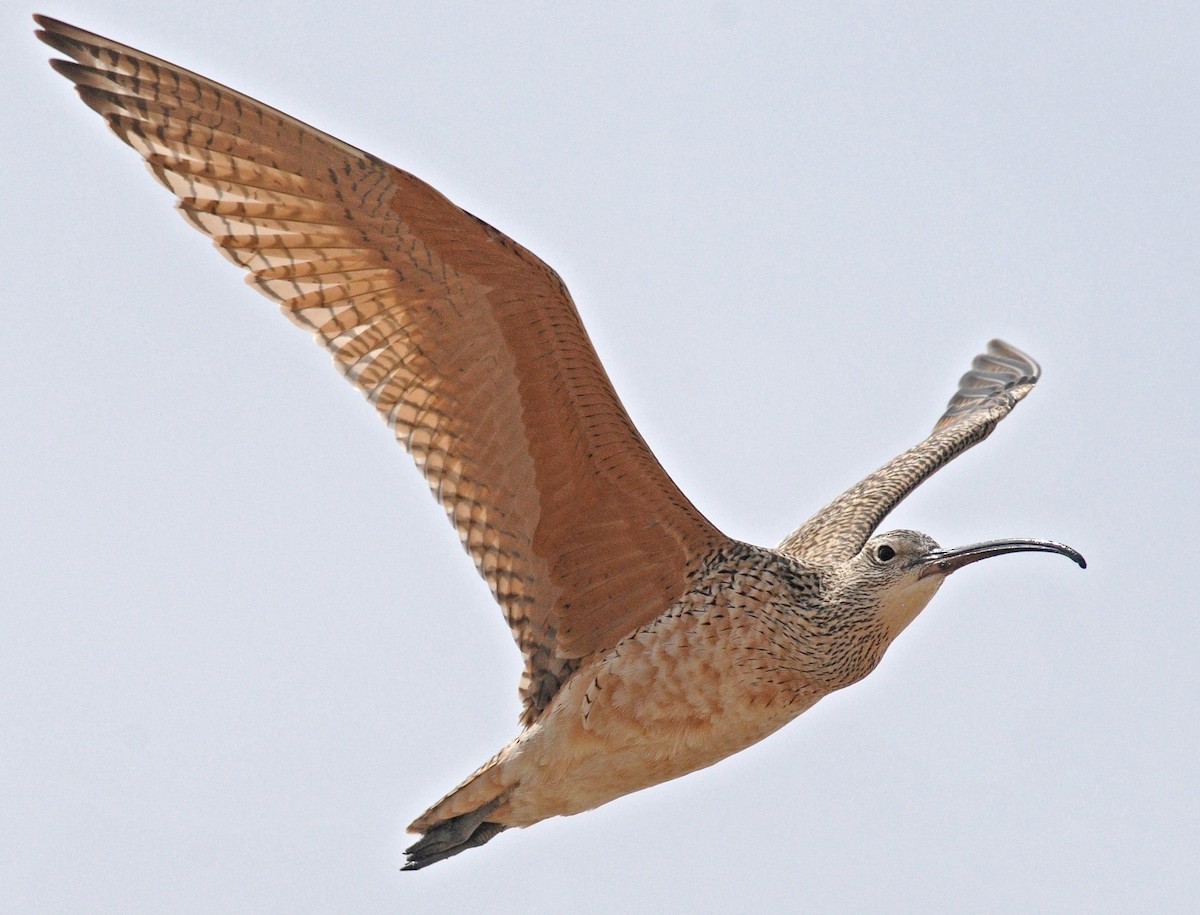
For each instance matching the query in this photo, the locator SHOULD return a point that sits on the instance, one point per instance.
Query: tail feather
(449, 837)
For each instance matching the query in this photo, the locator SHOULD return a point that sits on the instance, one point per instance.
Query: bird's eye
(885, 553)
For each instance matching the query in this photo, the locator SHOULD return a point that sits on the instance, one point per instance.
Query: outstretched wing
(467, 344)
(986, 394)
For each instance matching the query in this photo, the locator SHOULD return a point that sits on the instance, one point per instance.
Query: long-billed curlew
(654, 645)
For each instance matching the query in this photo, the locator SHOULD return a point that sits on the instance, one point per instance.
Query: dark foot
(452, 836)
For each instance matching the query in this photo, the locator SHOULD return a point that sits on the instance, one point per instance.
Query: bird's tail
(462, 819)
(449, 837)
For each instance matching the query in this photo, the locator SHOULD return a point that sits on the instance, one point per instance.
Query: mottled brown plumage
(654, 645)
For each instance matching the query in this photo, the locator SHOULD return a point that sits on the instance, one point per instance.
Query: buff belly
(663, 703)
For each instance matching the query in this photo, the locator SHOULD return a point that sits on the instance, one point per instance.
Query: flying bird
(654, 645)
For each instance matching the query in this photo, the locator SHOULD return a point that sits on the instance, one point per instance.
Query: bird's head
(902, 570)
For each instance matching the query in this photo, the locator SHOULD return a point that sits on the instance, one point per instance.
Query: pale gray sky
(240, 647)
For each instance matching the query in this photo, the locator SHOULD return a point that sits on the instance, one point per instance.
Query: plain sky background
(240, 647)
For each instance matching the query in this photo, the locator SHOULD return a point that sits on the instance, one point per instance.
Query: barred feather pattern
(466, 344)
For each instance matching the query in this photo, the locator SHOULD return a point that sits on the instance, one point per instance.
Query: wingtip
(1001, 349)
(48, 24)
(45, 26)
(56, 33)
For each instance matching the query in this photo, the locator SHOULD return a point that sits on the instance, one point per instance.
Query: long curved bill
(943, 562)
